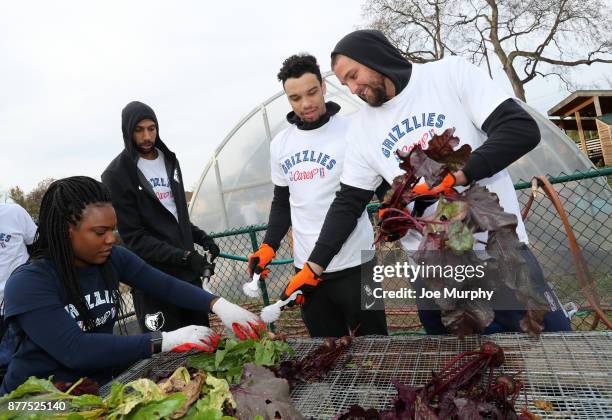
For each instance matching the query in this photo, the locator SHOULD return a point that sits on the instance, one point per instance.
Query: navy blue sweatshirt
(55, 342)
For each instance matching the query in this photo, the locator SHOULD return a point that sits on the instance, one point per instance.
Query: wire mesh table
(571, 371)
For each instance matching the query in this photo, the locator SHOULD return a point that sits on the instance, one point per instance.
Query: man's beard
(379, 96)
(144, 151)
(378, 92)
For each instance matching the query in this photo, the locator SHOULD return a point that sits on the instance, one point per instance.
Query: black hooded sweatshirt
(145, 225)
(511, 133)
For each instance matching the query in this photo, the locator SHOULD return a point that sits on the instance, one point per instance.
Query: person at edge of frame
(17, 231)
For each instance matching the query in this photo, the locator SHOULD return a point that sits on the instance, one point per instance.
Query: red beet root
(316, 364)
(507, 382)
(496, 352)
(329, 343)
(346, 340)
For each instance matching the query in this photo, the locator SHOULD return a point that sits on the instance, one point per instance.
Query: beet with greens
(316, 364)
(450, 234)
(457, 391)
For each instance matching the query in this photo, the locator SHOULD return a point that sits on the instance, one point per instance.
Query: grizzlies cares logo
(305, 156)
(408, 125)
(307, 175)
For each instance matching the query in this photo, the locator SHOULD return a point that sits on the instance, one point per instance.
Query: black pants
(508, 320)
(333, 308)
(156, 315)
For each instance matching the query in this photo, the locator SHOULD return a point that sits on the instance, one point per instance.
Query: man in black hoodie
(147, 191)
(306, 162)
(406, 105)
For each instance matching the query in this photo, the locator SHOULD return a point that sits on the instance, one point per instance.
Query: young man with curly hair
(306, 162)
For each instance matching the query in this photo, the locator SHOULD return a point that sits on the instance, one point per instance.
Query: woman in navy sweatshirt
(64, 303)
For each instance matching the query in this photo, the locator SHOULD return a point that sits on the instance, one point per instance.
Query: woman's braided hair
(63, 204)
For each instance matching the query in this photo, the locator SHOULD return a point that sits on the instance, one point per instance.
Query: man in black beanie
(406, 105)
(147, 191)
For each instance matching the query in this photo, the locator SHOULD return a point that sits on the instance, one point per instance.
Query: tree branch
(533, 55)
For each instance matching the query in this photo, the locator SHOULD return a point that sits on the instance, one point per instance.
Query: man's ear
(323, 87)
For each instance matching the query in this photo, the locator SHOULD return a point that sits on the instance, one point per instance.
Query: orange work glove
(305, 280)
(260, 259)
(445, 187)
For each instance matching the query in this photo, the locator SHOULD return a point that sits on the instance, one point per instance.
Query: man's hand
(211, 247)
(305, 280)
(244, 323)
(196, 262)
(259, 260)
(188, 338)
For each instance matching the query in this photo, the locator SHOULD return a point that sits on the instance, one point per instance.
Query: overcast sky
(69, 67)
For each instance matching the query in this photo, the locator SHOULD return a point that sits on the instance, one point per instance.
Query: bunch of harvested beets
(465, 389)
(448, 237)
(316, 364)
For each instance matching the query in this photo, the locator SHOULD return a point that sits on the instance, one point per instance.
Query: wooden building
(588, 111)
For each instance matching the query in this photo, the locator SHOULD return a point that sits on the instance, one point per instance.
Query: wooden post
(597, 106)
(605, 135)
(583, 145)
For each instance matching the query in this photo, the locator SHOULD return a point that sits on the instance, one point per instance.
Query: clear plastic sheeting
(235, 188)
(556, 153)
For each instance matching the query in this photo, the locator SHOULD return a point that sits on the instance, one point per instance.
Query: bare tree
(32, 200)
(529, 38)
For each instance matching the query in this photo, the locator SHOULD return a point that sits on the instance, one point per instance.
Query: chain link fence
(586, 197)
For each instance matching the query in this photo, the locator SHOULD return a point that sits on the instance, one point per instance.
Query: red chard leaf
(260, 393)
(485, 213)
(471, 317)
(423, 166)
(441, 149)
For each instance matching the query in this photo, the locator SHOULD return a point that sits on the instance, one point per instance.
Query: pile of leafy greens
(448, 236)
(140, 399)
(200, 391)
(231, 357)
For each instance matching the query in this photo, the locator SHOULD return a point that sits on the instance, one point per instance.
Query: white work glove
(244, 323)
(188, 338)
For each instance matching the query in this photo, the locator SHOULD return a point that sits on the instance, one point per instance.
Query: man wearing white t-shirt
(16, 231)
(306, 162)
(147, 191)
(406, 105)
